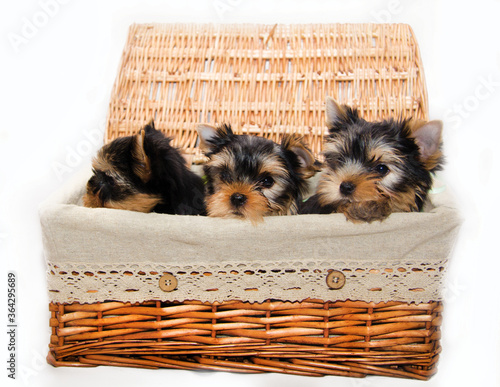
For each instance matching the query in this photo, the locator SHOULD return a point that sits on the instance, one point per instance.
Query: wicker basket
(265, 80)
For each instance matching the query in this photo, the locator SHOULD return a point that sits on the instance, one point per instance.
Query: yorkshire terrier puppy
(250, 177)
(144, 173)
(375, 168)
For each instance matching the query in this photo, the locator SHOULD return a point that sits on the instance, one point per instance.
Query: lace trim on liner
(256, 282)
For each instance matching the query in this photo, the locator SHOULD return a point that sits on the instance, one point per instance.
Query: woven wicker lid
(263, 79)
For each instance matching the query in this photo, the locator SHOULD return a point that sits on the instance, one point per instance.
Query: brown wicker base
(312, 338)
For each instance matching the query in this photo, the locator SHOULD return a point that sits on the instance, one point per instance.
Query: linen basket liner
(94, 255)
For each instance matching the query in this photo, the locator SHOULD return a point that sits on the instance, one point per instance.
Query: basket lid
(264, 80)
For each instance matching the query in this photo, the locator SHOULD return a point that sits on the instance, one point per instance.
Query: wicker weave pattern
(308, 338)
(264, 80)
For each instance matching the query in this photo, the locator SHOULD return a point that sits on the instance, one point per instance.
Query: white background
(56, 79)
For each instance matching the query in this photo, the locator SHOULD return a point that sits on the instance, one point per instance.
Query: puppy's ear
(307, 166)
(141, 164)
(334, 112)
(150, 126)
(428, 139)
(212, 138)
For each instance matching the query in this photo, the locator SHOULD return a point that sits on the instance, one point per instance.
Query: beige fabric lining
(88, 240)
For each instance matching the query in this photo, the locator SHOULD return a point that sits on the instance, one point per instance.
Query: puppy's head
(375, 168)
(251, 177)
(121, 173)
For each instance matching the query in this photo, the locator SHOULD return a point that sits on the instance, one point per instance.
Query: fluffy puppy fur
(144, 173)
(375, 168)
(250, 177)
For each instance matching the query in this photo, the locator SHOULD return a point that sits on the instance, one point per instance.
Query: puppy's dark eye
(109, 180)
(382, 169)
(226, 177)
(334, 161)
(267, 182)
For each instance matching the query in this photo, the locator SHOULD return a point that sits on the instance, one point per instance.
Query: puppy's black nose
(347, 188)
(238, 199)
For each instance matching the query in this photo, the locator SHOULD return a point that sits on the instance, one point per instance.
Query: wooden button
(168, 282)
(335, 279)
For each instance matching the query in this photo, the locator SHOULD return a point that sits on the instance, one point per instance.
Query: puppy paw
(368, 211)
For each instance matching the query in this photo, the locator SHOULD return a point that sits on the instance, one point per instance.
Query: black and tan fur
(250, 177)
(373, 169)
(144, 173)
